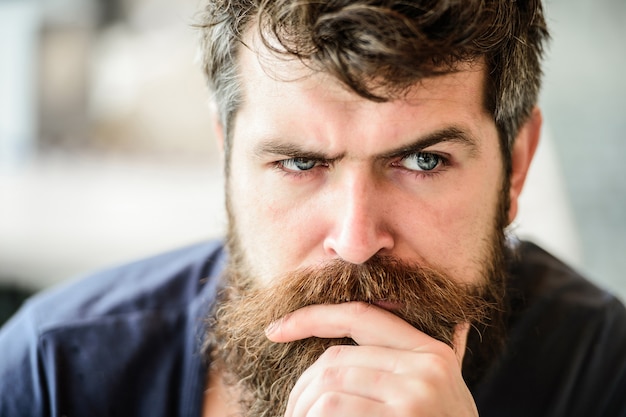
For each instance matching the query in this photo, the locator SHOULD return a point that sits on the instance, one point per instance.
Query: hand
(395, 370)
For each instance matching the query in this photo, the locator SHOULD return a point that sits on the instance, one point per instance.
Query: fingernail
(272, 327)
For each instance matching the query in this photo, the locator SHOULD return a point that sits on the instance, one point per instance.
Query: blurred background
(106, 152)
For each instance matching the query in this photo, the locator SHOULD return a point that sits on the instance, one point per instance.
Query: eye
(298, 164)
(421, 161)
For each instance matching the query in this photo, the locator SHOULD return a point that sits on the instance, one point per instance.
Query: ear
(218, 128)
(521, 156)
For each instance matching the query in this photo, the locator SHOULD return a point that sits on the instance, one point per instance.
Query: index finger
(366, 324)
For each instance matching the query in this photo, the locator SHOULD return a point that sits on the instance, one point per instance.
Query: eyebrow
(449, 134)
(291, 150)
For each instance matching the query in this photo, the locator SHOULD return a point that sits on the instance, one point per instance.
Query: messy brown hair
(379, 48)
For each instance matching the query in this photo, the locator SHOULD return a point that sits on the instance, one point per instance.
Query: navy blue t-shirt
(126, 342)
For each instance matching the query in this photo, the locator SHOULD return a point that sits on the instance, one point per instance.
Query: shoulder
(542, 284)
(566, 348)
(165, 281)
(79, 340)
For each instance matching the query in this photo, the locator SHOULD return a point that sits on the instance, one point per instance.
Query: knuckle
(330, 376)
(329, 403)
(416, 406)
(442, 354)
(439, 370)
(424, 396)
(360, 307)
(333, 353)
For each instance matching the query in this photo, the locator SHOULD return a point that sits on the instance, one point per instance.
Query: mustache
(265, 372)
(426, 298)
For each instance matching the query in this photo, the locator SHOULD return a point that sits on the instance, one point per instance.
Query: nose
(358, 225)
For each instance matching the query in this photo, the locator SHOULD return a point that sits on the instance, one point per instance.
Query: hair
(380, 48)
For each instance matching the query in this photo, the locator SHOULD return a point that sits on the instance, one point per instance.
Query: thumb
(459, 341)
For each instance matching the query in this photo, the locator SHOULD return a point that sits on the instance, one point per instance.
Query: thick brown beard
(265, 372)
(261, 374)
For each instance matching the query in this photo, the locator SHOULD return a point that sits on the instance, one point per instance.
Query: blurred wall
(121, 162)
(19, 43)
(584, 102)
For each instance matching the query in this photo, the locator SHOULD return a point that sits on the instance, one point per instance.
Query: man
(374, 154)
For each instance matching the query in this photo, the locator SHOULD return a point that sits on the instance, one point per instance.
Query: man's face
(318, 173)
(334, 198)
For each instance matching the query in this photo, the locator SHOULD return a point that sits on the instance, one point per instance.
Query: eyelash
(280, 167)
(444, 162)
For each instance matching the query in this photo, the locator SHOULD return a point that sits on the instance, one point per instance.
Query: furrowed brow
(449, 134)
(290, 150)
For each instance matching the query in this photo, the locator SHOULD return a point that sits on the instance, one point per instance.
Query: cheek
(453, 230)
(276, 230)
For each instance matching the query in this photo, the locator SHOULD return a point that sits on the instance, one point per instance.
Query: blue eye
(421, 161)
(298, 164)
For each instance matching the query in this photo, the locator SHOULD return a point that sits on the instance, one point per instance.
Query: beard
(263, 373)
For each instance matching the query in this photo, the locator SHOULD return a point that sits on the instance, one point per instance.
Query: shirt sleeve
(22, 383)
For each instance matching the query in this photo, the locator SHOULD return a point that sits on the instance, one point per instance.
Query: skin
(400, 371)
(366, 193)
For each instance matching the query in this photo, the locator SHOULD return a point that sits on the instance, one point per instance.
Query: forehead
(260, 67)
(282, 97)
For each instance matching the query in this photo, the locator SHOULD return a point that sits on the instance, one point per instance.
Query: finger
(459, 341)
(340, 404)
(366, 380)
(375, 357)
(359, 382)
(366, 324)
(354, 369)
(370, 371)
